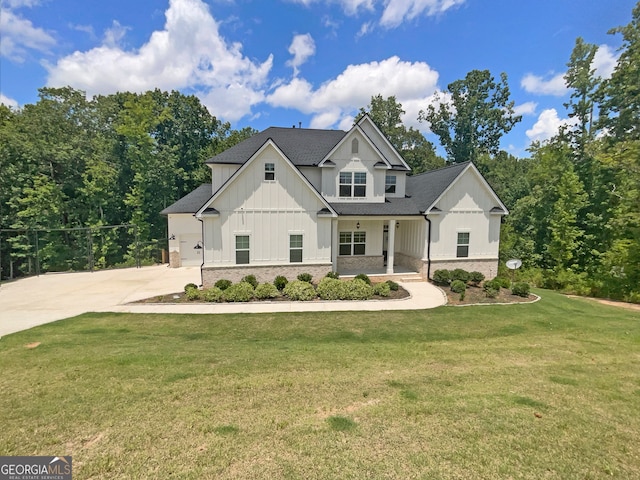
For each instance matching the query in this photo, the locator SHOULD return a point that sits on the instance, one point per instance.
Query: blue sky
(277, 63)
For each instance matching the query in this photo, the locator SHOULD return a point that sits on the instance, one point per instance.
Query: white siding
(187, 231)
(220, 174)
(268, 211)
(411, 238)
(466, 206)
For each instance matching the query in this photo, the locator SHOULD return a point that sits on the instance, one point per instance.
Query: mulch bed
(476, 295)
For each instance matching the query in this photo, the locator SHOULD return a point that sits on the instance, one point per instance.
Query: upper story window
(462, 249)
(269, 171)
(354, 145)
(390, 184)
(353, 184)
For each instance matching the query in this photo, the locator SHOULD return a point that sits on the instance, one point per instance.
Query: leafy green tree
(472, 115)
(417, 151)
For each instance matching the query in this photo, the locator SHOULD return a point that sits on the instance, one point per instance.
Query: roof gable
(269, 142)
(191, 202)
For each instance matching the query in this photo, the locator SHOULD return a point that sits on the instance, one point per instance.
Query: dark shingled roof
(191, 202)
(425, 188)
(304, 147)
(391, 206)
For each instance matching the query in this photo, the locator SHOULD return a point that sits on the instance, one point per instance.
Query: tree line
(70, 164)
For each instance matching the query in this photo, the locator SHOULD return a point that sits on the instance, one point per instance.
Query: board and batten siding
(220, 174)
(466, 207)
(268, 211)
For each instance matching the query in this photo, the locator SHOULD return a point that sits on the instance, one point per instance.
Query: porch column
(334, 244)
(391, 245)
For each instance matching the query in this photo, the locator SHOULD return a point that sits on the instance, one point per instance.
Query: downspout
(428, 248)
(203, 251)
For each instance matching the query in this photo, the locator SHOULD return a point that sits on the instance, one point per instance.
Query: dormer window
(390, 184)
(353, 184)
(269, 171)
(354, 145)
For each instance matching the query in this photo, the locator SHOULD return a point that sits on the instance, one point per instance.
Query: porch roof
(391, 207)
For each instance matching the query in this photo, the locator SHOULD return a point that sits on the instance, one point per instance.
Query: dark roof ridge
(443, 168)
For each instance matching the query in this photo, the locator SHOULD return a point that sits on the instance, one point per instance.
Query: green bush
(442, 277)
(358, 289)
(299, 290)
(459, 274)
(223, 284)
(331, 289)
(458, 286)
(504, 282)
(364, 277)
(476, 278)
(190, 286)
(305, 277)
(193, 293)
(280, 282)
(333, 275)
(382, 289)
(393, 285)
(213, 294)
(491, 288)
(251, 280)
(521, 289)
(266, 290)
(239, 292)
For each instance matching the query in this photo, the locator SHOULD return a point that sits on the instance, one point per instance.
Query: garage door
(190, 256)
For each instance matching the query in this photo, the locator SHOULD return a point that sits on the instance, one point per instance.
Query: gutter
(203, 250)
(428, 247)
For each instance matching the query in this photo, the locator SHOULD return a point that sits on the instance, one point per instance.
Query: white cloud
(9, 102)
(18, 35)
(548, 125)
(114, 35)
(394, 11)
(302, 47)
(527, 108)
(411, 83)
(189, 53)
(538, 85)
(397, 11)
(604, 61)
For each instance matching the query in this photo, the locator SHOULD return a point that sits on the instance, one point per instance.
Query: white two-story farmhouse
(293, 200)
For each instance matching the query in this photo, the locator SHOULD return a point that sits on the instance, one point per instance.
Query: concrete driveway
(35, 301)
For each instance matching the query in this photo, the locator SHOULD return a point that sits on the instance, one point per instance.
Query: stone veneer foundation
(263, 273)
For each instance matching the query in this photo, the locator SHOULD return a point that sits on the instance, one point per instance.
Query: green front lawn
(546, 390)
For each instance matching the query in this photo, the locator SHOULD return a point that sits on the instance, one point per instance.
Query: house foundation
(263, 273)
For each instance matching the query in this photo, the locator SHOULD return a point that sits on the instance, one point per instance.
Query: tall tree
(472, 115)
(417, 151)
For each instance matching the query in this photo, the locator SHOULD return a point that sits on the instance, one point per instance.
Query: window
(242, 249)
(462, 249)
(354, 145)
(352, 243)
(269, 171)
(295, 248)
(353, 184)
(390, 184)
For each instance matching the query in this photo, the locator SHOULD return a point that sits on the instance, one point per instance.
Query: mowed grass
(548, 390)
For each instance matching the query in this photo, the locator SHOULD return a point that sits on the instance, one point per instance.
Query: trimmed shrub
(521, 289)
(476, 278)
(213, 294)
(458, 286)
(331, 289)
(223, 284)
(266, 290)
(251, 280)
(393, 285)
(333, 275)
(305, 277)
(358, 289)
(459, 274)
(239, 292)
(491, 288)
(299, 290)
(190, 286)
(280, 282)
(364, 277)
(504, 282)
(382, 289)
(193, 293)
(442, 277)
